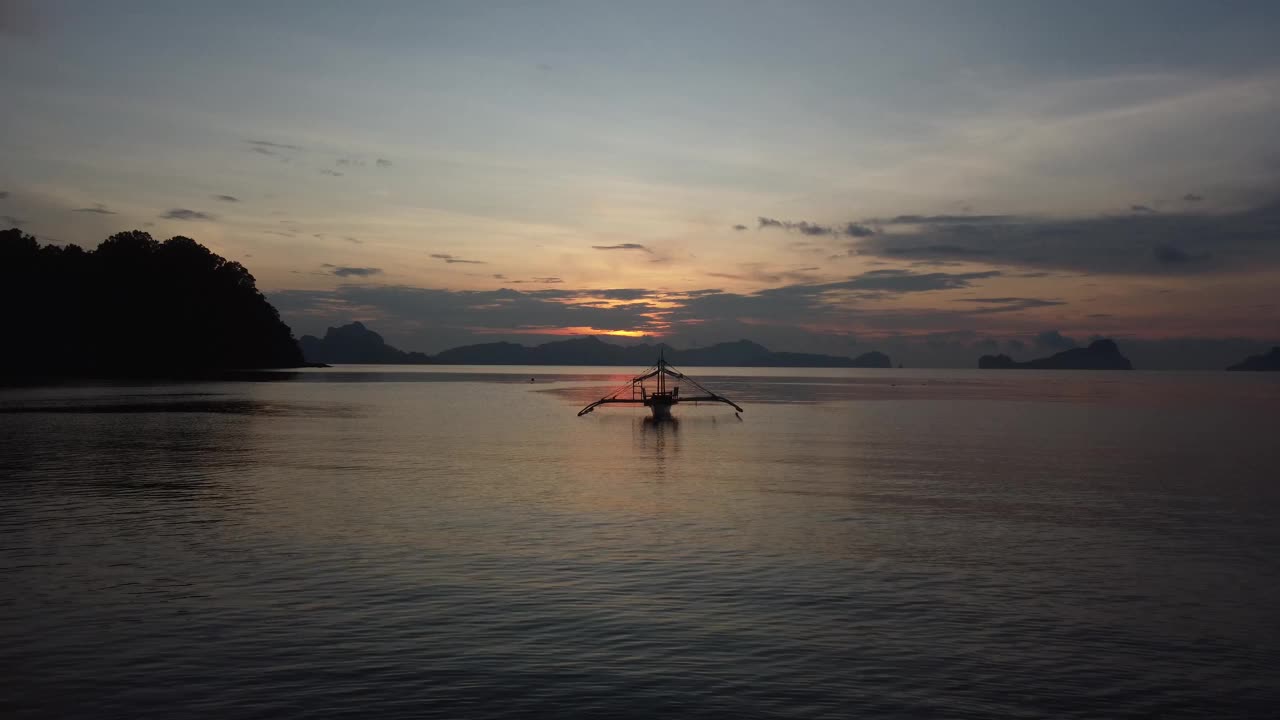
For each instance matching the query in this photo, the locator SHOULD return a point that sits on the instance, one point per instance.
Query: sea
(455, 542)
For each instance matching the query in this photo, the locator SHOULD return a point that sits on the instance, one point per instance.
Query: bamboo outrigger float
(663, 397)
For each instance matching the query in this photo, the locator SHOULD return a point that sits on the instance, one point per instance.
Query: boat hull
(661, 410)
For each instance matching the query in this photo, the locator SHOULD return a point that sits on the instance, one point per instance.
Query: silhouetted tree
(133, 306)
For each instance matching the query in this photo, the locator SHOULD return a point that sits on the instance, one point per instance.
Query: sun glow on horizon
(563, 331)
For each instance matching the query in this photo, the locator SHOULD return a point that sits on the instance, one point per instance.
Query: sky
(935, 180)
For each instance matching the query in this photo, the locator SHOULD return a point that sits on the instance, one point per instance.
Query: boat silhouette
(666, 393)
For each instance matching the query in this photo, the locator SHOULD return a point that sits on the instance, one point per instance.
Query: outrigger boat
(665, 394)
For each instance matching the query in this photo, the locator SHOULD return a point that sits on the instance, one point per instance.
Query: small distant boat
(665, 394)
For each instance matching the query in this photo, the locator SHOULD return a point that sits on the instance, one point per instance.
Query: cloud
(1054, 340)
(1170, 255)
(802, 317)
(4, 194)
(1140, 209)
(858, 231)
(760, 273)
(227, 198)
(284, 152)
(353, 240)
(342, 271)
(804, 227)
(185, 214)
(333, 173)
(1009, 304)
(1137, 244)
(622, 246)
(939, 250)
(383, 163)
(98, 209)
(450, 259)
(906, 281)
(938, 219)
(269, 148)
(444, 318)
(1192, 197)
(12, 221)
(739, 227)
(19, 18)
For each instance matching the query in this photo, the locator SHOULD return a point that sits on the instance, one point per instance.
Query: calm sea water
(455, 542)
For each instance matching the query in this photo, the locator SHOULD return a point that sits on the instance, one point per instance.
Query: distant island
(1100, 355)
(1267, 362)
(355, 343)
(133, 307)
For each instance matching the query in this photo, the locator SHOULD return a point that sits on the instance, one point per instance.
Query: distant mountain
(1269, 361)
(355, 343)
(593, 351)
(1100, 355)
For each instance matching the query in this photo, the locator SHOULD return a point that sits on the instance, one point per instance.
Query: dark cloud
(754, 272)
(273, 146)
(97, 209)
(804, 227)
(783, 318)
(342, 271)
(227, 198)
(939, 250)
(939, 219)
(353, 240)
(622, 246)
(444, 318)
(4, 194)
(185, 214)
(1192, 197)
(1009, 304)
(452, 259)
(332, 173)
(383, 163)
(350, 162)
(21, 18)
(1142, 243)
(618, 293)
(12, 221)
(1170, 255)
(858, 231)
(1054, 340)
(833, 303)
(1140, 209)
(906, 281)
(533, 281)
(284, 152)
(735, 227)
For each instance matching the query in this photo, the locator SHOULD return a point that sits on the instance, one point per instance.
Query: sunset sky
(933, 179)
